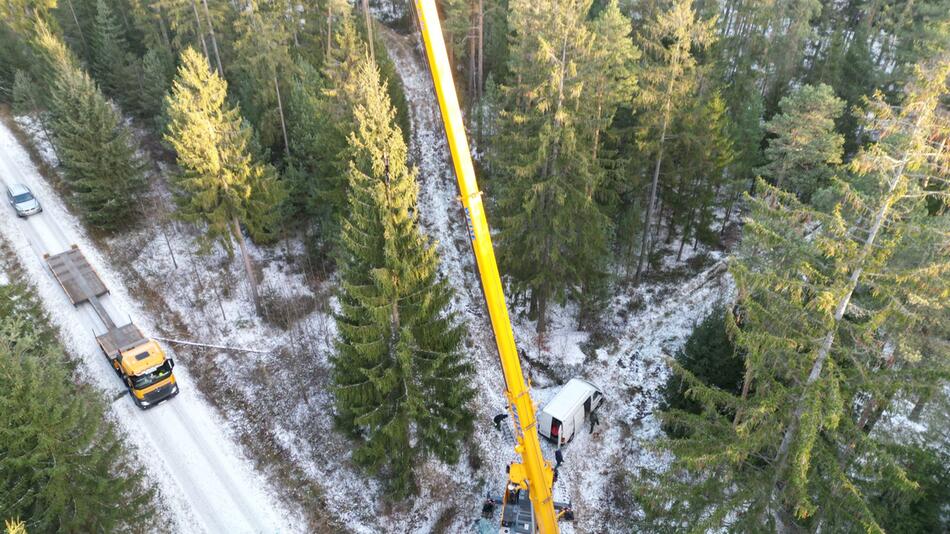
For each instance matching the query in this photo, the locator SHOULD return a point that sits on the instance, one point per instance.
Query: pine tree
(806, 146)
(668, 77)
(192, 21)
(553, 235)
(21, 15)
(97, 153)
(827, 299)
(62, 466)
(325, 114)
(701, 152)
(15, 526)
(401, 383)
(221, 184)
(785, 51)
(746, 136)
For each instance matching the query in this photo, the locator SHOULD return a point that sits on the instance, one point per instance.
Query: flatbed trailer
(135, 358)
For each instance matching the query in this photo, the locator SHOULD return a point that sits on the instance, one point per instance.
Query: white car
(23, 201)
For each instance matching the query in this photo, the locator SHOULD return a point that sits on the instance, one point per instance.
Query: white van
(564, 415)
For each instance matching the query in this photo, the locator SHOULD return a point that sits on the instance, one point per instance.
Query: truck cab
(147, 373)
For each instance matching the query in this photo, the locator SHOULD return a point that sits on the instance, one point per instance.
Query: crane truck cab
(141, 363)
(565, 413)
(138, 360)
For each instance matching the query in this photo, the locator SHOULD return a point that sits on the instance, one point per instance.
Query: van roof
(571, 395)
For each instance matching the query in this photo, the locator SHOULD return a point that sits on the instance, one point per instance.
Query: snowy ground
(205, 483)
(276, 403)
(630, 371)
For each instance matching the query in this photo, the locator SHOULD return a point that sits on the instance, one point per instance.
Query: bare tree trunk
(686, 230)
(480, 84)
(646, 243)
(472, 50)
(746, 384)
(214, 41)
(293, 22)
(163, 27)
(199, 31)
(248, 267)
(280, 110)
(329, 28)
(648, 218)
(369, 30)
(82, 37)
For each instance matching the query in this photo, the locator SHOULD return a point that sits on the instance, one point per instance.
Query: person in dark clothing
(594, 421)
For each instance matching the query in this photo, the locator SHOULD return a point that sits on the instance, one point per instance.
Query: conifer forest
(246, 285)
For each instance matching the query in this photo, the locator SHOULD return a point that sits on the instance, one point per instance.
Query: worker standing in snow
(594, 421)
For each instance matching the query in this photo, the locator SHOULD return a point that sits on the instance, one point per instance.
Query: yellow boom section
(534, 473)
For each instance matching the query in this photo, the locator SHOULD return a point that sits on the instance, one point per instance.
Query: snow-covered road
(206, 484)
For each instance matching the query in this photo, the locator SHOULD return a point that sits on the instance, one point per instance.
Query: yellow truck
(139, 361)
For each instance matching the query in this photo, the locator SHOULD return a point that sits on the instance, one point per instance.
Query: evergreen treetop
(806, 147)
(62, 466)
(98, 154)
(824, 302)
(400, 379)
(220, 180)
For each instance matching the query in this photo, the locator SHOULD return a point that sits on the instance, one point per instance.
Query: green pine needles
(97, 152)
(401, 382)
(838, 312)
(62, 466)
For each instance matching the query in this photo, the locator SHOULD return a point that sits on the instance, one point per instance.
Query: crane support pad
(79, 280)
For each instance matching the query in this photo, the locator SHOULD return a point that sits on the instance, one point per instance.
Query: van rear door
(555, 429)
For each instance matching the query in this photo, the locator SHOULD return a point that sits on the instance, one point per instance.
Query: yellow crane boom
(534, 473)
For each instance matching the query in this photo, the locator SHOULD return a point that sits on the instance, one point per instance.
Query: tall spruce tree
(321, 118)
(63, 467)
(400, 379)
(701, 152)
(98, 154)
(802, 155)
(565, 87)
(221, 184)
(261, 69)
(157, 73)
(111, 63)
(668, 77)
(825, 300)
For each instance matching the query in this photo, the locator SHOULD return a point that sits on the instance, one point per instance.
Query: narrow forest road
(205, 483)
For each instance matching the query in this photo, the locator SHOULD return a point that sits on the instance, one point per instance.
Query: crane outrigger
(533, 475)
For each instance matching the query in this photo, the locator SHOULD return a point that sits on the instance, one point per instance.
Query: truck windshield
(145, 380)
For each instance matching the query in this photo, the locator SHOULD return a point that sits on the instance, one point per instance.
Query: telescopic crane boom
(534, 473)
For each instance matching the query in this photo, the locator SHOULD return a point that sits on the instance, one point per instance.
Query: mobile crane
(533, 474)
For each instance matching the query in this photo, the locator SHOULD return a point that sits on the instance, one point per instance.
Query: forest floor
(276, 402)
